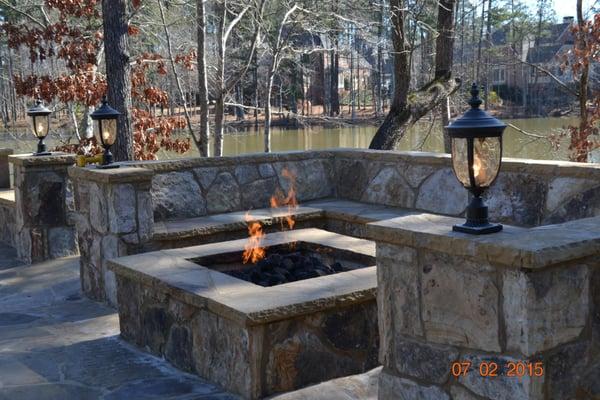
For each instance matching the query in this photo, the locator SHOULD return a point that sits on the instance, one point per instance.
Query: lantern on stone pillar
(106, 131)
(476, 158)
(40, 126)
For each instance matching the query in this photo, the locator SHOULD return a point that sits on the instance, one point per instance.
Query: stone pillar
(4, 170)
(517, 311)
(114, 219)
(44, 228)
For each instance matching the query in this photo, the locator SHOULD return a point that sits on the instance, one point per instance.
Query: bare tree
(276, 57)
(202, 77)
(444, 47)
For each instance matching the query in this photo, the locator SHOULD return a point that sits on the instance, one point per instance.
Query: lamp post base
(477, 219)
(44, 153)
(477, 229)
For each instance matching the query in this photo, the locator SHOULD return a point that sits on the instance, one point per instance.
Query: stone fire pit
(253, 340)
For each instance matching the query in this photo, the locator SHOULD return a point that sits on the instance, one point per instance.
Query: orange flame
(289, 200)
(253, 249)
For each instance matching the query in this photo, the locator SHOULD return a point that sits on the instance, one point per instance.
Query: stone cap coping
(171, 272)
(249, 158)
(123, 174)
(7, 198)
(5, 152)
(226, 222)
(344, 210)
(29, 160)
(544, 167)
(533, 248)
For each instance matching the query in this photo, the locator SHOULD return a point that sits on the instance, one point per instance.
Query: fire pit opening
(286, 263)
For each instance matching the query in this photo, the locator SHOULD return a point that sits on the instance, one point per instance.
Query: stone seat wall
(527, 193)
(129, 205)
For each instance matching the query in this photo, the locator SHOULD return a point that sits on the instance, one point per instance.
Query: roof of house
(543, 54)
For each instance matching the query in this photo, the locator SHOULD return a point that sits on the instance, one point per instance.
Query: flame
(289, 200)
(253, 249)
(478, 170)
(476, 167)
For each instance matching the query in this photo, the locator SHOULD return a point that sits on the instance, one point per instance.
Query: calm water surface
(420, 137)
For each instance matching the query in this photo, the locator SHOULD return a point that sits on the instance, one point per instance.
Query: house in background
(516, 70)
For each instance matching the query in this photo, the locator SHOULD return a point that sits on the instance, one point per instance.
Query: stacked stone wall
(525, 327)
(114, 219)
(7, 226)
(526, 193)
(198, 187)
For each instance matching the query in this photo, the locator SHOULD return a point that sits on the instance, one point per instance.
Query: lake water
(516, 144)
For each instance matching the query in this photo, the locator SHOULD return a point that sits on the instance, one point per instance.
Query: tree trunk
(579, 140)
(404, 114)
(334, 79)
(220, 78)
(255, 78)
(444, 56)
(379, 75)
(268, 112)
(488, 32)
(114, 17)
(202, 78)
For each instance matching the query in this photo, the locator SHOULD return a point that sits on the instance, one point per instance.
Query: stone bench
(146, 206)
(340, 216)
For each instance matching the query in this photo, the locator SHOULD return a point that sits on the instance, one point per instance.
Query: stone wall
(196, 187)
(256, 360)
(7, 204)
(520, 296)
(7, 226)
(44, 227)
(526, 193)
(4, 168)
(114, 217)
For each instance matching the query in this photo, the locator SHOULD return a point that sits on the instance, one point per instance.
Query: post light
(476, 158)
(40, 125)
(106, 132)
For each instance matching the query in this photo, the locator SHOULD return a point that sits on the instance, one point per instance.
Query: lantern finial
(475, 101)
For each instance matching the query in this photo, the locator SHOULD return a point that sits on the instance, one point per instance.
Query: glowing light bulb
(105, 135)
(476, 167)
(40, 129)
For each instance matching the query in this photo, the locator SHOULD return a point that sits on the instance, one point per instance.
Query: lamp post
(476, 158)
(106, 132)
(40, 125)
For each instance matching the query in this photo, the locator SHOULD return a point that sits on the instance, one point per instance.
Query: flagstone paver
(57, 345)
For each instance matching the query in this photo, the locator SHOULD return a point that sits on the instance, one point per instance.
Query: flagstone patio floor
(57, 345)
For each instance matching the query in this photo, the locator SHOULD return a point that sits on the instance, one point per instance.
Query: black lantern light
(40, 125)
(106, 132)
(476, 158)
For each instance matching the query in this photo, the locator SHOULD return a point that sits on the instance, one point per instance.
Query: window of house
(498, 75)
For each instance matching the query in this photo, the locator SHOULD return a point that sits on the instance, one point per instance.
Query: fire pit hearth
(287, 263)
(190, 306)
